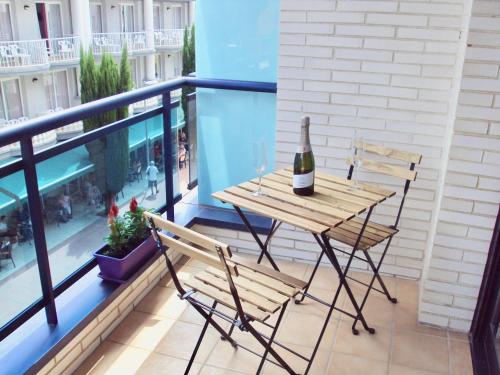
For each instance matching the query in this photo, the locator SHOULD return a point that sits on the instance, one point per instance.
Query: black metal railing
(30, 157)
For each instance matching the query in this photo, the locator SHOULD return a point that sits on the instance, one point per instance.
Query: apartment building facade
(40, 49)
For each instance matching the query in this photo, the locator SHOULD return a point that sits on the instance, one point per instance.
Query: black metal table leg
(263, 246)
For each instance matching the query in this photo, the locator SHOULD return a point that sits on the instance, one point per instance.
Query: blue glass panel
(240, 42)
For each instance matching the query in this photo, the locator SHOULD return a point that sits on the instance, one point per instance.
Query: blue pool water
(235, 39)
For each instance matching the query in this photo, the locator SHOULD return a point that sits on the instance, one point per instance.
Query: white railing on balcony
(39, 141)
(114, 42)
(169, 38)
(64, 50)
(23, 54)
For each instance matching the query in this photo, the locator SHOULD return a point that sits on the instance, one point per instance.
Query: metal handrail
(24, 133)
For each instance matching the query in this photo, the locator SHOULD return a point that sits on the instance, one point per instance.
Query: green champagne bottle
(303, 165)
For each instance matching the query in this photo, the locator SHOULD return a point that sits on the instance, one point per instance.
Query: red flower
(133, 204)
(113, 210)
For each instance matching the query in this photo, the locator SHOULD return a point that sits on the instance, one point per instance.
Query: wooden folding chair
(374, 233)
(254, 292)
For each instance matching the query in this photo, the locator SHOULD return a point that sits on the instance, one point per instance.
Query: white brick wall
(472, 190)
(393, 70)
(387, 68)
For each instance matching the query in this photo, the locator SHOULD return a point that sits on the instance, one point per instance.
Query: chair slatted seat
(373, 235)
(254, 293)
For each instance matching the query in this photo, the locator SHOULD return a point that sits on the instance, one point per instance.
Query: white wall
(393, 69)
(472, 190)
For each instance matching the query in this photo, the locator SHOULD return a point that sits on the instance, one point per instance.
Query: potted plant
(128, 245)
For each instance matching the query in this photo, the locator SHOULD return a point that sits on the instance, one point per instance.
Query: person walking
(152, 173)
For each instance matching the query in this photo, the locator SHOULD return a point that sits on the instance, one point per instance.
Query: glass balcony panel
(74, 189)
(19, 277)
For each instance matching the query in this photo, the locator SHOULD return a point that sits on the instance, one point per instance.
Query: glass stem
(260, 183)
(356, 181)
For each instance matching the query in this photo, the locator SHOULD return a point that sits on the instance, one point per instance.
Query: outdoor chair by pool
(253, 292)
(374, 233)
(6, 251)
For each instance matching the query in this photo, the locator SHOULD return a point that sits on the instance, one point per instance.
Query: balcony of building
(419, 81)
(114, 42)
(32, 56)
(169, 39)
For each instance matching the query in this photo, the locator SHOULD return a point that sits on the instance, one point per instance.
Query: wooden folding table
(334, 208)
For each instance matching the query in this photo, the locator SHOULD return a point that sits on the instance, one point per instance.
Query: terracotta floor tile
(304, 329)
(325, 277)
(460, 358)
(113, 359)
(406, 319)
(225, 356)
(141, 330)
(366, 345)
(163, 302)
(462, 336)
(420, 351)
(318, 367)
(310, 306)
(345, 364)
(378, 310)
(401, 370)
(161, 333)
(159, 364)
(181, 339)
(365, 277)
(211, 370)
(407, 290)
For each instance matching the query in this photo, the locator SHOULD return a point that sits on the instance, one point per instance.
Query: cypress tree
(188, 65)
(110, 155)
(117, 151)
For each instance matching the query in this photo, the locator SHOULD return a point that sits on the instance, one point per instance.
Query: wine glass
(357, 148)
(259, 163)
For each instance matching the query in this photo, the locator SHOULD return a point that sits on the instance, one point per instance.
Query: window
(11, 102)
(56, 90)
(49, 20)
(174, 17)
(158, 67)
(96, 18)
(157, 24)
(5, 23)
(127, 18)
(177, 65)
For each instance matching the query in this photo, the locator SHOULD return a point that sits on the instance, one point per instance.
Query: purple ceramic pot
(119, 270)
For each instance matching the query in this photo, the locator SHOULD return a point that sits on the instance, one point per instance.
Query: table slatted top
(334, 200)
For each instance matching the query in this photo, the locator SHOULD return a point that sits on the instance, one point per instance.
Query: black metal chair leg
(297, 301)
(200, 339)
(377, 269)
(214, 324)
(270, 349)
(271, 339)
(376, 275)
(230, 332)
(327, 247)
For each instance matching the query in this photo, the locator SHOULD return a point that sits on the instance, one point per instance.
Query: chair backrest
(207, 250)
(408, 174)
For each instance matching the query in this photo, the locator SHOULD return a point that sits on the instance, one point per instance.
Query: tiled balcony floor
(159, 336)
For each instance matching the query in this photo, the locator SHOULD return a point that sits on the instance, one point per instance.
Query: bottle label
(303, 180)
